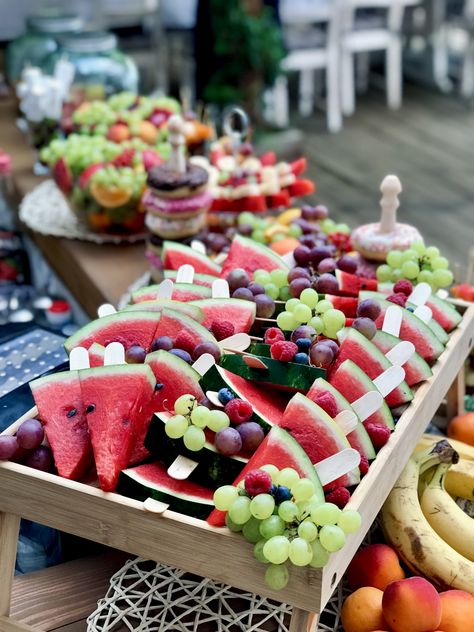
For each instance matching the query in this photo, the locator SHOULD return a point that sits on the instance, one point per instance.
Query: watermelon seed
(126, 422)
(71, 412)
(90, 408)
(158, 387)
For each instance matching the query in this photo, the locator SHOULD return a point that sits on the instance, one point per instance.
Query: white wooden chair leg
(306, 96)
(347, 88)
(303, 621)
(280, 105)
(393, 74)
(362, 64)
(333, 97)
(467, 76)
(9, 530)
(441, 61)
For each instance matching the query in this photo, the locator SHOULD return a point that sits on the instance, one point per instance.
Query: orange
(99, 221)
(110, 197)
(462, 428)
(284, 246)
(362, 611)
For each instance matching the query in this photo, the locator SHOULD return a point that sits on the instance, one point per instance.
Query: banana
(407, 529)
(464, 450)
(459, 480)
(447, 519)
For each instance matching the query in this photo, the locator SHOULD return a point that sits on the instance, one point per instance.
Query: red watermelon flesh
(236, 311)
(352, 383)
(58, 398)
(356, 347)
(444, 313)
(205, 280)
(116, 399)
(347, 304)
(279, 449)
(175, 255)
(249, 255)
(318, 435)
(172, 323)
(181, 292)
(160, 304)
(416, 369)
(96, 355)
(351, 284)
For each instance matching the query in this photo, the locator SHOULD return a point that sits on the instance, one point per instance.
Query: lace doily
(45, 210)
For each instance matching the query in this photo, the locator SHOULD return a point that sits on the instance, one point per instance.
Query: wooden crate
(191, 544)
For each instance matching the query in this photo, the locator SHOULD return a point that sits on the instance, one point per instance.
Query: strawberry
(125, 159)
(281, 199)
(87, 174)
(298, 166)
(268, 159)
(301, 187)
(151, 159)
(62, 176)
(255, 203)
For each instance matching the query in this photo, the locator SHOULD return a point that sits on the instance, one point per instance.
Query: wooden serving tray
(193, 545)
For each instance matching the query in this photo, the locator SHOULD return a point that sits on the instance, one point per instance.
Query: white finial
(391, 188)
(177, 161)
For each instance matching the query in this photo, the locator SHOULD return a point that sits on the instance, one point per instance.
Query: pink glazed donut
(372, 244)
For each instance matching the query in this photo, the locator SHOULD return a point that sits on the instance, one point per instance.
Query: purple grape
(298, 273)
(366, 326)
(30, 434)
(318, 253)
(347, 264)
(135, 355)
(243, 293)
(304, 225)
(237, 279)
(327, 265)
(40, 459)
(265, 306)
(301, 255)
(181, 353)
(245, 229)
(251, 435)
(327, 284)
(307, 240)
(321, 356)
(8, 447)
(228, 441)
(217, 242)
(368, 308)
(321, 211)
(256, 288)
(298, 285)
(162, 342)
(207, 347)
(332, 344)
(309, 212)
(303, 331)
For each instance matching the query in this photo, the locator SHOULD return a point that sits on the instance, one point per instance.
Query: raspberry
(363, 465)
(222, 329)
(258, 482)
(239, 411)
(273, 335)
(185, 341)
(283, 350)
(328, 403)
(398, 299)
(403, 287)
(379, 435)
(125, 159)
(339, 496)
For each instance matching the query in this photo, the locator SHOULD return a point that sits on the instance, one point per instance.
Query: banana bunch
(433, 535)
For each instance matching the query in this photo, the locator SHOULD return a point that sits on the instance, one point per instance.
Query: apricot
(118, 132)
(362, 611)
(283, 246)
(377, 565)
(148, 132)
(457, 608)
(411, 604)
(462, 428)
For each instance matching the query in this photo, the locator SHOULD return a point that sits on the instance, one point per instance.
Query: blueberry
(181, 353)
(303, 344)
(225, 395)
(283, 493)
(273, 490)
(301, 358)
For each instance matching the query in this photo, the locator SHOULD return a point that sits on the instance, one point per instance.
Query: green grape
(332, 537)
(239, 511)
(258, 552)
(217, 420)
(442, 278)
(279, 277)
(425, 276)
(301, 553)
(184, 404)
(343, 228)
(440, 263)
(194, 438)
(292, 304)
(277, 576)
(287, 477)
(285, 293)
(327, 226)
(308, 531)
(394, 258)
(246, 218)
(320, 555)
(326, 513)
(274, 525)
(432, 252)
(334, 319)
(397, 274)
(295, 231)
(317, 324)
(272, 290)
(231, 525)
(251, 530)
(302, 313)
(323, 306)
(200, 416)
(288, 510)
(384, 273)
(262, 506)
(176, 426)
(418, 247)
(277, 549)
(270, 469)
(303, 489)
(409, 255)
(259, 236)
(262, 277)
(309, 297)
(224, 497)
(410, 270)
(286, 321)
(349, 521)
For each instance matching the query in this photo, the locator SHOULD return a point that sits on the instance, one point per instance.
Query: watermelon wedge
(181, 292)
(193, 311)
(151, 480)
(129, 328)
(416, 369)
(61, 410)
(352, 383)
(172, 323)
(347, 304)
(175, 255)
(176, 378)
(249, 255)
(358, 438)
(351, 284)
(96, 355)
(356, 347)
(238, 312)
(205, 280)
(279, 449)
(116, 400)
(318, 435)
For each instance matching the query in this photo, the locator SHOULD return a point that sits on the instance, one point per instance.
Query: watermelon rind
(205, 280)
(201, 263)
(416, 369)
(161, 361)
(234, 310)
(151, 481)
(193, 311)
(172, 323)
(249, 255)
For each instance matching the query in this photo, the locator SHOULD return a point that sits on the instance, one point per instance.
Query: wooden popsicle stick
(444, 294)
(392, 320)
(114, 354)
(203, 363)
(367, 405)
(236, 342)
(289, 260)
(220, 289)
(79, 359)
(337, 465)
(198, 246)
(346, 420)
(182, 467)
(401, 353)
(185, 274)
(165, 289)
(214, 399)
(106, 309)
(155, 506)
(221, 257)
(389, 379)
(424, 313)
(254, 363)
(420, 294)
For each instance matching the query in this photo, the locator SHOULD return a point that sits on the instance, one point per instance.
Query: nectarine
(362, 611)
(411, 604)
(462, 428)
(377, 565)
(457, 611)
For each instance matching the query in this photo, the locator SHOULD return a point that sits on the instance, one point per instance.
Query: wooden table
(94, 274)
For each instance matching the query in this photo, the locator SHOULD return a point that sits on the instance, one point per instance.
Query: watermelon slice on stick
(236, 311)
(249, 255)
(416, 369)
(197, 279)
(193, 311)
(175, 255)
(182, 292)
(172, 323)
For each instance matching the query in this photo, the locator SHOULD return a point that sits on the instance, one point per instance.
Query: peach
(118, 132)
(457, 607)
(412, 604)
(362, 611)
(377, 565)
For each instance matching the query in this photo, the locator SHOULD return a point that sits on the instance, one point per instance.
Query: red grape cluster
(26, 446)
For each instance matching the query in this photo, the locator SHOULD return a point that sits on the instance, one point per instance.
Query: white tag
(346, 420)
(289, 259)
(106, 310)
(198, 246)
(420, 294)
(392, 320)
(181, 468)
(185, 274)
(204, 363)
(367, 405)
(220, 289)
(337, 465)
(401, 353)
(213, 397)
(424, 313)
(155, 506)
(114, 354)
(444, 294)
(236, 342)
(254, 363)
(165, 289)
(389, 379)
(79, 359)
